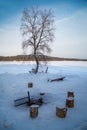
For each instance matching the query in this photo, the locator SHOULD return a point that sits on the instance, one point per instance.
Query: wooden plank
(24, 100)
(57, 79)
(21, 101)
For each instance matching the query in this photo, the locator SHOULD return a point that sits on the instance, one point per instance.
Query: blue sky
(70, 23)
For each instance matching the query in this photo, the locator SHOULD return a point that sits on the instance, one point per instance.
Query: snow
(70, 98)
(35, 106)
(14, 79)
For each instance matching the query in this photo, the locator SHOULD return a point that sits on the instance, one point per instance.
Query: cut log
(70, 94)
(61, 112)
(30, 85)
(70, 102)
(34, 111)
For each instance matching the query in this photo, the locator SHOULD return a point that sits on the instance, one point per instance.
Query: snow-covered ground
(14, 78)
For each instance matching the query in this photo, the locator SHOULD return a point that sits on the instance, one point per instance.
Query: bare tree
(38, 31)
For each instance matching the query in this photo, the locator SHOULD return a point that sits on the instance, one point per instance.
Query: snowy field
(14, 78)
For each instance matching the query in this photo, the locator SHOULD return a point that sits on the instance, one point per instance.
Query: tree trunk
(37, 64)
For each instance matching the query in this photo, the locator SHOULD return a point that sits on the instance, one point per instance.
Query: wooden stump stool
(70, 94)
(30, 85)
(70, 102)
(34, 110)
(61, 112)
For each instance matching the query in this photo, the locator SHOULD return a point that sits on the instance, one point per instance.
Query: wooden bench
(29, 101)
(21, 101)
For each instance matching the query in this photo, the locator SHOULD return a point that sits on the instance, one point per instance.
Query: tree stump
(70, 102)
(30, 85)
(70, 94)
(61, 112)
(34, 111)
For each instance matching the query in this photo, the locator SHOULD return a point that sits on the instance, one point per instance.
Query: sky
(70, 26)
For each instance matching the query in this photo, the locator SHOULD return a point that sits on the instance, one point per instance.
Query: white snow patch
(14, 78)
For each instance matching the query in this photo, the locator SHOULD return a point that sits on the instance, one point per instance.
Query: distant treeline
(31, 58)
